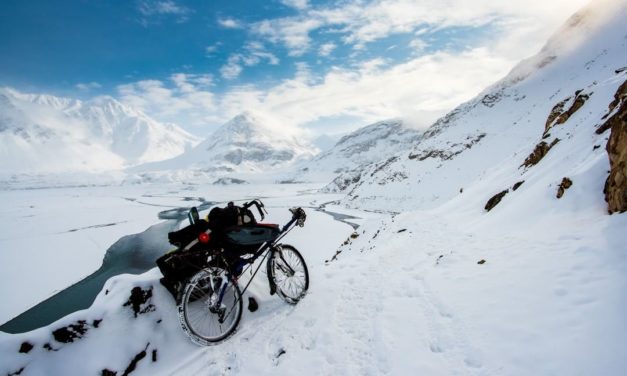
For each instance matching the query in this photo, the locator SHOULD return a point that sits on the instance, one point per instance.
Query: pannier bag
(251, 235)
(185, 235)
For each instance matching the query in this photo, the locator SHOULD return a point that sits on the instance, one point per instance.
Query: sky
(327, 67)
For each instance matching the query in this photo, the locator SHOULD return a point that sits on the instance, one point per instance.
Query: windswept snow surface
(406, 296)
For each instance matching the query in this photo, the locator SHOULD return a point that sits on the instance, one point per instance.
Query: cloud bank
(433, 80)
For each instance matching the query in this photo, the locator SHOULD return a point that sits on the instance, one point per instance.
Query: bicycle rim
(204, 321)
(290, 274)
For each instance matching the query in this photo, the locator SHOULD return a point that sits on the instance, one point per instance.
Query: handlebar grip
(299, 215)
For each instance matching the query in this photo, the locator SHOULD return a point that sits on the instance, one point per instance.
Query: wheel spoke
(199, 318)
(290, 275)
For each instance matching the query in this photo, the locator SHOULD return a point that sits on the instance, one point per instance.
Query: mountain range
(48, 134)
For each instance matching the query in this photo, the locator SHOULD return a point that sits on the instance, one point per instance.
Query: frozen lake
(51, 239)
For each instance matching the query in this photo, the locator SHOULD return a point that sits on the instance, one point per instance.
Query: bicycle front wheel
(289, 273)
(210, 306)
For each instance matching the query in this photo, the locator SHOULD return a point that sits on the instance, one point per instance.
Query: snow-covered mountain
(48, 134)
(555, 100)
(499, 257)
(356, 150)
(246, 143)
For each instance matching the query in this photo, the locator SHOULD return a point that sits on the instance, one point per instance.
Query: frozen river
(59, 246)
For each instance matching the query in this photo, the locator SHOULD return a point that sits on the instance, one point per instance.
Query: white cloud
(360, 22)
(88, 86)
(229, 23)
(418, 45)
(298, 4)
(420, 89)
(232, 68)
(423, 88)
(154, 10)
(209, 50)
(326, 49)
(185, 99)
(293, 32)
(253, 54)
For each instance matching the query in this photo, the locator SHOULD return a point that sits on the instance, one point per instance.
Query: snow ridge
(356, 150)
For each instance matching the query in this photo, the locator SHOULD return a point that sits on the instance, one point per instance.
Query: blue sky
(328, 66)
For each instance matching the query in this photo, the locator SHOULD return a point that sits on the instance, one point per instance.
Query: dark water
(134, 254)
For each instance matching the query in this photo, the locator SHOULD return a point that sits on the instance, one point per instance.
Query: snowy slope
(47, 134)
(535, 286)
(496, 132)
(357, 149)
(246, 143)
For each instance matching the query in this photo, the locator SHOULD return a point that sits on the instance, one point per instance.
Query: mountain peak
(248, 142)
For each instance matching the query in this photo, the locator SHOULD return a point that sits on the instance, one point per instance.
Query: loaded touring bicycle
(202, 273)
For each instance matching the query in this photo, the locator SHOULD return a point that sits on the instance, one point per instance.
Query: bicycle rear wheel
(289, 273)
(205, 317)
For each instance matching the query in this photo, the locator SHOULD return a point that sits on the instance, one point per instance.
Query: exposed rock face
(580, 100)
(616, 183)
(564, 185)
(539, 152)
(555, 113)
(495, 200)
(619, 97)
(140, 301)
(559, 116)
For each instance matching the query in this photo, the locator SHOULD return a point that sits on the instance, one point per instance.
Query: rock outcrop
(564, 185)
(539, 152)
(616, 183)
(492, 202)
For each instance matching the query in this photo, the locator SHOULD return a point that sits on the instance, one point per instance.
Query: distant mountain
(246, 143)
(48, 134)
(358, 149)
(538, 125)
(325, 142)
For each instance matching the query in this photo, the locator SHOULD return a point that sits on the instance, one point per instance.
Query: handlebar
(259, 205)
(299, 215)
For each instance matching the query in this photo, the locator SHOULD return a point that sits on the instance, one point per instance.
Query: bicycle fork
(282, 264)
(216, 307)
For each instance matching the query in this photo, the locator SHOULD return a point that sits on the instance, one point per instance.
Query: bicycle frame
(261, 251)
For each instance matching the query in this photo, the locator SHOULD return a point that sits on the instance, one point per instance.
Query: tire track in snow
(444, 332)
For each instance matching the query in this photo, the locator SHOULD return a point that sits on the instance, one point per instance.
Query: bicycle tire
(288, 271)
(200, 317)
